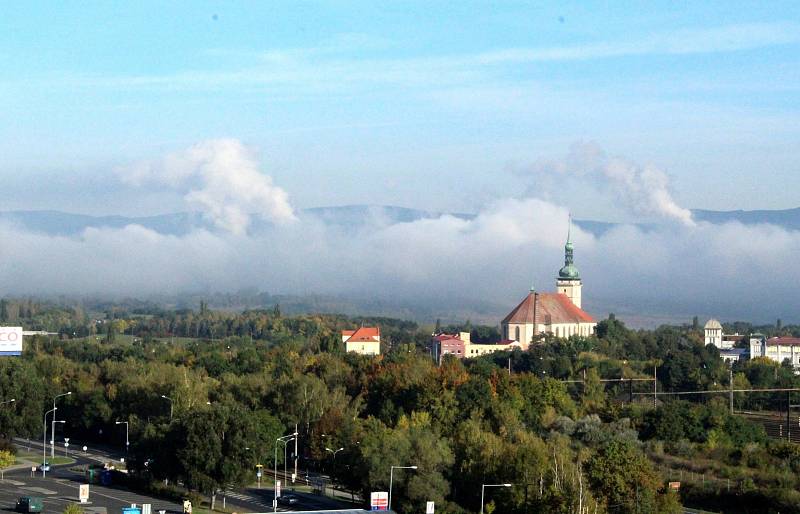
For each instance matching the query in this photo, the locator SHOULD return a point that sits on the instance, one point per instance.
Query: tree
(6, 459)
(111, 332)
(593, 396)
(621, 473)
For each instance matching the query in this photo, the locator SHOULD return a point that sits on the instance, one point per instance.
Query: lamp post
(127, 442)
(170, 405)
(256, 464)
(44, 441)
(334, 452)
(391, 479)
(277, 440)
(483, 489)
(53, 430)
(285, 448)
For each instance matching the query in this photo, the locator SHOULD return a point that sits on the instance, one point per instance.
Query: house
(777, 349)
(460, 346)
(364, 340)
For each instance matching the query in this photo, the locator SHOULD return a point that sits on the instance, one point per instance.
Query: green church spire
(569, 271)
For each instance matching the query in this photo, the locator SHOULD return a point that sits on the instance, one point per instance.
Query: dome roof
(713, 324)
(569, 272)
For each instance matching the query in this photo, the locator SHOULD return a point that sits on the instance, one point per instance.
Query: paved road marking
(13, 482)
(40, 490)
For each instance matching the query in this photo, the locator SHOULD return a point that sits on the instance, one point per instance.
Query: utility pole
(655, 387)
(730, 371)
(295, 452)
(788, 415)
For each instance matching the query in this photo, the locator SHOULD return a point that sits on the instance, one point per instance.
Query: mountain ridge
(356, 216)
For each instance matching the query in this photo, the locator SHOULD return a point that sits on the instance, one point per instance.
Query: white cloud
(221, 178)
(445, 264)
(642, 189)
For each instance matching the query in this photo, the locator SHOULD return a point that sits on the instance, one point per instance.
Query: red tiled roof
(445, 337)
(363, 334)
(783, 340)
(550, 308)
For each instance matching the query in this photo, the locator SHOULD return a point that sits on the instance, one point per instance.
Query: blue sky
(422, 104)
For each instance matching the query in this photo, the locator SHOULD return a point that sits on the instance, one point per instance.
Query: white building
(556, 313)
(365, 340)
(713, 330)
(777, 349)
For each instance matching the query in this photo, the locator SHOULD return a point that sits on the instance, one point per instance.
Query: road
(60, 487)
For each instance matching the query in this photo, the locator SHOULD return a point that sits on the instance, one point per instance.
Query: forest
(207, 392)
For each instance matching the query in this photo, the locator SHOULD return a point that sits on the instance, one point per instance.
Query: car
(45, 467)
(288, 499)
(29, 504)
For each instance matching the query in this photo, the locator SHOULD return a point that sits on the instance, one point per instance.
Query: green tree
(621, 473)
(6, 459)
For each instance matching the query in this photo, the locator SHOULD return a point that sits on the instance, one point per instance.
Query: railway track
(775, 424)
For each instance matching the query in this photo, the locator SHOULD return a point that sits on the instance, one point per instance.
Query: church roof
(551, 308)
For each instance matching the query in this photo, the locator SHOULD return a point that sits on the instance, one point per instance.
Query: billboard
(83, 493)
(379, 500)
(10, 341)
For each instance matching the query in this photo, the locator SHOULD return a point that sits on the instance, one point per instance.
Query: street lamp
(127, 442)
(483, 488)
(334, 452)
(391, 478)
(256, 464)
(285, 448)
(53, 430)
(44, 441)
(277, 440)
(170, 405)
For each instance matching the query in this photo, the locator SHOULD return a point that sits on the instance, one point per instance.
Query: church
(558, 313)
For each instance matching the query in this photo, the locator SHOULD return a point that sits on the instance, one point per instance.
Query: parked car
(29, 504)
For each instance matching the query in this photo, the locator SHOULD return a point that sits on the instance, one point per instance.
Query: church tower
(569, 279)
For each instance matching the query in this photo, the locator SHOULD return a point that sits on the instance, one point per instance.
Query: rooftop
(550, 308)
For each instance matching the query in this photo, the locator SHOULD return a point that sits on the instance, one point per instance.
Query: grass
(24, 457)
(59, 460)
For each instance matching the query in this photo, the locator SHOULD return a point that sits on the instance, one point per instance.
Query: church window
(516, 334)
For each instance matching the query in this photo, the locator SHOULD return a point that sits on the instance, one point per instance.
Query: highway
(61, 487)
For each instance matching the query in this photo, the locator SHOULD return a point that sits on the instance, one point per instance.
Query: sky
(416, 104)
(519, 113)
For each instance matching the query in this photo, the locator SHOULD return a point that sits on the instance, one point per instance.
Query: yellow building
(365, 340)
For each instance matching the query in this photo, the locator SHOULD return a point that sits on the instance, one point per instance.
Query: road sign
(294, 477)
(10, 341)
(85, 448)
(258, 473)
(379, 501)
(278, 489)
(429, 508)
(83, 493)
